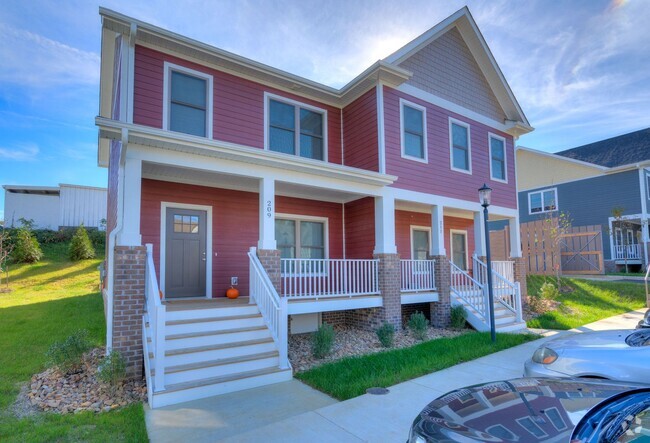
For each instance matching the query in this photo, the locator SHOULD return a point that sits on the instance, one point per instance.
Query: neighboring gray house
(587, 183)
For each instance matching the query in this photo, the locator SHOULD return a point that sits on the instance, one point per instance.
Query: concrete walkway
(286, 413)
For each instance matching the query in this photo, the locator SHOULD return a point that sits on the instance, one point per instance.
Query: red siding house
(353, 206)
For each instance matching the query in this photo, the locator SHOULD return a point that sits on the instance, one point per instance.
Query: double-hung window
(542, 201)
(300, 238)
(420, 239)
(413, 120)
(297, 129)
(460, 146)
(498, 163)
(188, 101)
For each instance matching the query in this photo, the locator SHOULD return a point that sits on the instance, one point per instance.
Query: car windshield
(639, 338)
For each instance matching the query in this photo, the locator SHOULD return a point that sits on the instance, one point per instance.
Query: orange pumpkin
(232, 293)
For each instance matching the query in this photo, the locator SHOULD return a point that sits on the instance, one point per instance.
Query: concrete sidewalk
(375, 418)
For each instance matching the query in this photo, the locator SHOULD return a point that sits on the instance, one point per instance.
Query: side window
(187, 101)
(420, 242)
(296, 129)
(542, 201)
(498, 169)
(461, 159)
(300, 238)
(413, 131)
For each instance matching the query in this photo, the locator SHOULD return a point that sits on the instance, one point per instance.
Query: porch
(628, 240)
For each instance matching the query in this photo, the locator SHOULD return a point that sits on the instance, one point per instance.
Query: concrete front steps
(212, 349)
(504, 319)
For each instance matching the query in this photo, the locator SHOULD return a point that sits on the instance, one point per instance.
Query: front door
(185, 253)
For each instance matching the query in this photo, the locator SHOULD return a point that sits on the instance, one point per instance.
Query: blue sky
(579, 69)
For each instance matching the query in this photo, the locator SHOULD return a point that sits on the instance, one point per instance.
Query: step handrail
(464, 286)
(274, 309)
(506, 292)
(155, 314)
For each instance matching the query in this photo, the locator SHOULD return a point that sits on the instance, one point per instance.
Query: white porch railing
(506, 291)
(155, 315)
(417, 275)
(470, 291)
(505, 269)
(272, 306)
(630, 252)
(313, 278)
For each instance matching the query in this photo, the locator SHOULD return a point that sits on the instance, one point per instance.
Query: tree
(5, 250)
(556, 225)
(81, 248)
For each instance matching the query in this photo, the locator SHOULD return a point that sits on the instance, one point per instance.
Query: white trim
(308, 218)
(542, 191)
(425, 146)
(492, 135)
(451, 247)
(453, 121)
(208, 241)
(420, 228)
(168, 68)
(268, 96)
(381, 131)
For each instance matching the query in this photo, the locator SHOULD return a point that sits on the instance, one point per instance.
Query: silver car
(615, 355)
(645, 322)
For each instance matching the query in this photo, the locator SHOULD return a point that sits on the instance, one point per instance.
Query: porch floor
(180, 304)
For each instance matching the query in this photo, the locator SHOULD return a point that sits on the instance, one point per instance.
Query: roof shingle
(616, 151)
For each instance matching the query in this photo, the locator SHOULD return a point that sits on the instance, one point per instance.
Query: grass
(628, 274)
(49, 300)
(588, 302)
(350, 377)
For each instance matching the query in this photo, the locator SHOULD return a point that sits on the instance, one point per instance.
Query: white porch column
(438, 231)
(644, 239)
(267, 214)
(515, 237)
(130, 233)
(479, 234)
(385, 225)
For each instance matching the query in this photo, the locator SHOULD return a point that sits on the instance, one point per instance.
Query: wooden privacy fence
(574, 250)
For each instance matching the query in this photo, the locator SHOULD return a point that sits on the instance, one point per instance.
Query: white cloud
(21, 153)
(32, 60)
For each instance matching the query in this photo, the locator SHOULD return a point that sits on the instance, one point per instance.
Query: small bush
(386, 334)
(112, 369)
(26, 248)
(322, 341)
(66, 355)
(548, 291)
(97, 237)
(81, 248)
(458, 316)
(418, 325)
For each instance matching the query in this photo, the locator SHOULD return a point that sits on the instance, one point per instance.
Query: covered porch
(628, 237)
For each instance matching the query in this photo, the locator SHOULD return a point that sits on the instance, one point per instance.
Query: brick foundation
(408, 310)
(441, 310)
(128, 305)
(335, 318)
(389, 287)
(270, 260)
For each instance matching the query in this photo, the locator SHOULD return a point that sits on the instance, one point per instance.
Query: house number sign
(269, 209)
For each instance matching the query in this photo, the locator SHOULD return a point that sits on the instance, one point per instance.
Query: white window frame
(420, 228)
(308, 218)
(543, 211)
(631, 235)
(451, 246)
(469, 146)
(560, 417)
(505, 158)
(267, 120)
(647, 186)
(167, 93)
(425, 146)
(618, 235)
(208, 242)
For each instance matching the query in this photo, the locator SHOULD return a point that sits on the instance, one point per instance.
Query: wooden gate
(578, 250)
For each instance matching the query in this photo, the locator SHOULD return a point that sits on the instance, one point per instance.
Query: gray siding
(590, 201)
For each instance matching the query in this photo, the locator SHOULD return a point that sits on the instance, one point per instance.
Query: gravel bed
(351, 341)
(53, 391)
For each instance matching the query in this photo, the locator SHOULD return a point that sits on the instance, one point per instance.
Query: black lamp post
(485, 196)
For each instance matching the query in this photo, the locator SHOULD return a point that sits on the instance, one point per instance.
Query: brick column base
(270, 260)
(520, 276)
(128, 305)
(441, 310)
(389, 287)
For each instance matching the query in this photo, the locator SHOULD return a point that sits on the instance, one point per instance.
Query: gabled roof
(625, 149)
(464, 22)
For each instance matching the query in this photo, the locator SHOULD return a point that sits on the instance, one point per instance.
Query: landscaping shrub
(47, 236)
(97, 237)
(386, 334)
(112, 369)
(458, 316)
(322, 341)
(66, 355)
(548, 291)
(542, 301)
(418, 325)
(26, 248)
(81, 248)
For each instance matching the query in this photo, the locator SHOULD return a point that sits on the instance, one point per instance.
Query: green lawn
(350, 377)
(49, 301)
(588, 302)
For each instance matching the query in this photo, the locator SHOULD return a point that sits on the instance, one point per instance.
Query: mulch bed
(53, 391)
(351, 341)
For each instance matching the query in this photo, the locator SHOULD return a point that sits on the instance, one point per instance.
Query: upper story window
(413, 120)
(298, 238)
(460, 146)
(542, 201)
(296, 128)
(187, 101)
(498, 165)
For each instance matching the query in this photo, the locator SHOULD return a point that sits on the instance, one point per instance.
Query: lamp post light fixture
(485, 197)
